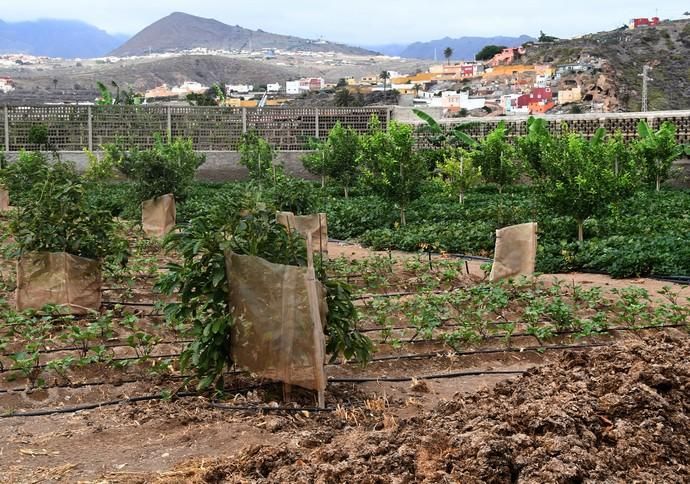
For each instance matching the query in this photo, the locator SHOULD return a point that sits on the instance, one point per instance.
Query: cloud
(362, 21)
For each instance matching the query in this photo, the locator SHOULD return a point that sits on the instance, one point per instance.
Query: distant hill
(464, 48)
(56, 38)
(624, 52)
(180, 31)
(393, 50)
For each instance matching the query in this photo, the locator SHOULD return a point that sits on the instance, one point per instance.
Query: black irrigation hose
(437, 376)
(133, 304)
(527, 335)
(131, 358)
(123, 382)
(414, 356)
(118, 344)
(91, 406)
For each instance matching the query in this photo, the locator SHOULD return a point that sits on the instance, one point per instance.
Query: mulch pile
(618, 414)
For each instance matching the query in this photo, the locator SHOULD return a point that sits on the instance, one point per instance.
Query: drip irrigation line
(118, 344)
(133, 304)
(414, 356)
(527, 335)
(124, 382)
(400, 294)
(437, 376)
(91, 406)
(132, 358)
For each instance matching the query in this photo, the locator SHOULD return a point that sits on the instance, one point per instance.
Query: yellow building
(570, 95)
(508, 70)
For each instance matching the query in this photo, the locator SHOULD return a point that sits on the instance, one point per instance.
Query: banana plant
(438, 136)
(657, 150)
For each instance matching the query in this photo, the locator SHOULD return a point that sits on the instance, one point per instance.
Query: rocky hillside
(621, 55)
(180, 31)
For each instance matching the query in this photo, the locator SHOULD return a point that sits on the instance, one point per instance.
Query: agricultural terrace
(433, 373)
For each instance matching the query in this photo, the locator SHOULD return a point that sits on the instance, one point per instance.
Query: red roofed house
(538, 95)
(643, 22)
(506, 56)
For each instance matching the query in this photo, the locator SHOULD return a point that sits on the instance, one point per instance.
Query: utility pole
(645, 87)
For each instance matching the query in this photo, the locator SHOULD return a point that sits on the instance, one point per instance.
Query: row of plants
(60, 211)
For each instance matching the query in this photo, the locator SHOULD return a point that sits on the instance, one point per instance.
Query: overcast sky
(361, 21)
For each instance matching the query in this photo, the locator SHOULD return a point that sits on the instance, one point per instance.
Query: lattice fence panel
(67, 127)
(287, 129)
(627, 126)
(355, 118)
(134, 125)
(682, 127)
(214, 129)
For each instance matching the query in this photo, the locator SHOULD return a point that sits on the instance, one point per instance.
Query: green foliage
(657, 150)
(390, 166)
(167, 167)
(530, 147)
(200, 282)
(126, 96)
(496, 158)
(38, 135)
(257, 155)
(580, 180)
(19, 177)
(56, 217)
(459, 174)
(488, 52)
(546, 38)
(336, 158)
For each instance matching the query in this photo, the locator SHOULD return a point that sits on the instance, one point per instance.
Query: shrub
(257, 155)
(57, 217)
(168, 167)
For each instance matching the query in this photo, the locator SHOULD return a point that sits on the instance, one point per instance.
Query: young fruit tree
(390, 166)
(336, 158)
(496, 158)
(458, 174)
(658, 150)
(257, 155)
(531, 146)
(579, 179)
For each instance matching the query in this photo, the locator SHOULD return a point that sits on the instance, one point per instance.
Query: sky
(362, 22)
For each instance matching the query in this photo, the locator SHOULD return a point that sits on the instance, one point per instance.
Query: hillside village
(506, 84)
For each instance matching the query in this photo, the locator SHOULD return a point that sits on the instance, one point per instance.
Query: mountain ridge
(464, 48)
(57, 38)
(181, 31)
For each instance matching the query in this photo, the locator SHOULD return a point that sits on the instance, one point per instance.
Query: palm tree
(448, 53)
(384, 75)
(416, 88)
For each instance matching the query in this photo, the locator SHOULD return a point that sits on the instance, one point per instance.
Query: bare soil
(615, 414)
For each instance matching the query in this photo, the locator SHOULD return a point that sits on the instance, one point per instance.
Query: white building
(6, 85)
(239, 88)
(188, 87)
(455, 101)
(292, 88)
(274, 87)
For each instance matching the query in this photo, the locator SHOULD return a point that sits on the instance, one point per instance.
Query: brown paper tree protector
(515, 253)
(158, 216)
(4, 200)
(279, 313)
(58, 278)
(316, 225)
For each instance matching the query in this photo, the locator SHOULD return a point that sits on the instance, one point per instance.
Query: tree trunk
(323, 181)
(403, 221)
(462, 198)
(580, 230)
(346, 189)
(658, 183)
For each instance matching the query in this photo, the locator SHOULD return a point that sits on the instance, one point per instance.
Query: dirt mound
(616, 414)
